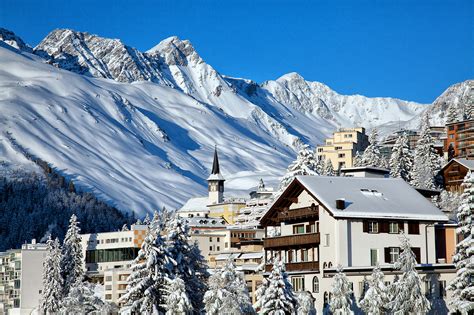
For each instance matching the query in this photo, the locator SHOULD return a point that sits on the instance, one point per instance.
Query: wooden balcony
(299, 266)
(296, 240)
(296, 215)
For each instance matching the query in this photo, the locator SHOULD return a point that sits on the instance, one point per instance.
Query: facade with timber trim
(319, 222)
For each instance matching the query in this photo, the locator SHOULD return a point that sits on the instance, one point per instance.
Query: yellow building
(343, 146)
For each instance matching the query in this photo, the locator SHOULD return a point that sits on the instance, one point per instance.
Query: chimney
(340, 204)
(33, 241)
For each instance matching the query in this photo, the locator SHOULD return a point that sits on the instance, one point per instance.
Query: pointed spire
(215, 164)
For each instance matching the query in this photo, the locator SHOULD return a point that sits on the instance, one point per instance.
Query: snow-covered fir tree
(372, 156)
(176, 299)
(227, 293)
(449, 202)
(82, 299)
(305, 164)
(328, 168)
(52, 280)
(72, 268)
(149, 271)
(340, 302)
(277, 296)
(463, 284)
(260, 293)
(376, 297)
(305, 304)
(357, 159)
(188, 263)
(426, 163)
(453, 113)
(125, 228)
(408, 297)
(147, 220)
(401, 160)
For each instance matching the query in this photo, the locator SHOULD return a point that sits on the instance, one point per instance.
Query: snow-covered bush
(376, 298)
(305, 304)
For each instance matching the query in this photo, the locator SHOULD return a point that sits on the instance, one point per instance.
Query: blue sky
(406, 49)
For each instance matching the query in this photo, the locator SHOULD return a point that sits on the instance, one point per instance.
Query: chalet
(454, 171)
(319, 222)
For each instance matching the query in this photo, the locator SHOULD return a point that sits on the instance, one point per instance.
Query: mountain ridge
(138, 128)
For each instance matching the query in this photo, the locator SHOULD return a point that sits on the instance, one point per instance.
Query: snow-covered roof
(205, 222)
(251, 255)
(195, 204)
(467, 163)
(371, 198)
(365, 169)
(227, 256)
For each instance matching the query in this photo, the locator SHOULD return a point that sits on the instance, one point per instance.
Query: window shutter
(417, 252)
(387, 254)
(413, 228)
(365, 227)
(401, 226)
(383, 227)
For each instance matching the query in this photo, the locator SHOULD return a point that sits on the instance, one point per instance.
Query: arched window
(330, 265)
(326, 298)
(315, 284)
(324, 265)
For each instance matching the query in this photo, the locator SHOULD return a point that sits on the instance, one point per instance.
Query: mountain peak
(11, 39)
(291, 76)
(175, 51)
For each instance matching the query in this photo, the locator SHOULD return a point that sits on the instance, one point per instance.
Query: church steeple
(216, 182)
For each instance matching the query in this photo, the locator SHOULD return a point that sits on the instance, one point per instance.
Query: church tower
(216, 182)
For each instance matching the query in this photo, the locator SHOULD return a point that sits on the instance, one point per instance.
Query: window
(218, 239)
(210, 239)
(108, 288)
(218, 248)
(341, 155)
(17, 284)
(210, 248)
(413, 228)
(393, 228)
(304, 255)
(16, 303)
(108, 296)
(374, 257)
(108, 278)
(373, 227)
(394, 252)
(297, 283)
(320, 149)
(326, 238)
(298, 229)
(338, 148)
(315, 285)
(226, 244)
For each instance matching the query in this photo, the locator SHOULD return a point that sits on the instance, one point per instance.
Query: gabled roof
(469, 164)
(382, 198)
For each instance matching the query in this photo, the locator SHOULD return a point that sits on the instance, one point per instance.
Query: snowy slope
(138, 128)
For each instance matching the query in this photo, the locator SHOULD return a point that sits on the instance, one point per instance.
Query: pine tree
(72, 268)
(260, 294)
(357, 159)
(227, 293)
(376, 297)
(278, 297)
(52, 280)
(176, 299)
(305, 304)
(408, 297)
(188, 262)
(463, 284)
(147, 220)
(149, 271)
(328, 168)
(372, 156)
(401, 159)
(305, 164)
(340, 302)
(426, 162)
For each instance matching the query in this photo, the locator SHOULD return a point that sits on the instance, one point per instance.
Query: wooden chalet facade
(454, 172)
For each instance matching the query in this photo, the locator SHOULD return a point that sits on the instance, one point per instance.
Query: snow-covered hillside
(138, 128)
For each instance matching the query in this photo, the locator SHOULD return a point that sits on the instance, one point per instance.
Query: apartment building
(343, 146)
(460, 139)
(21, 273)
(109, 256)
(438, 134)
(320, 222)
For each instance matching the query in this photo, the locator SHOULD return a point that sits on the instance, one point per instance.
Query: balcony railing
(287, 215)
(299, 266)
(291, 240)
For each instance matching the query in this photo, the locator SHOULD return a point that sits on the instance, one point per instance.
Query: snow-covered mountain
(138, 128)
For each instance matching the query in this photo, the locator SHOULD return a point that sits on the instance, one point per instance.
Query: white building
(322, 222)
(21, 278)
(109, 256)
